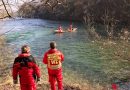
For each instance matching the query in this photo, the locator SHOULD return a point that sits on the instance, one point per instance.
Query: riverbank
(87, 66)
(6, 82)
(116, 58)
(119, 67)
(77, 68)
(6, 60)
(116, 53)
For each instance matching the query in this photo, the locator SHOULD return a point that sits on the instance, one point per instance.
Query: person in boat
(54, 58)
(26, 68)
(60, 29)
(70, 28)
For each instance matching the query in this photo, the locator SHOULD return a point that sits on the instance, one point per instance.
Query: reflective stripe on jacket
(53, 58)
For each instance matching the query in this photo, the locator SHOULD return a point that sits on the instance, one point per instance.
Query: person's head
(70, 26)
(59, 27)
(52, 44)
(25, 49)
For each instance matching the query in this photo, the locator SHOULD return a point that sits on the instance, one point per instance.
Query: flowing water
(82, 62)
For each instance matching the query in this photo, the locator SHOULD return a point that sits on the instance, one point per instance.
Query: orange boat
(73, 30)
(57, 31)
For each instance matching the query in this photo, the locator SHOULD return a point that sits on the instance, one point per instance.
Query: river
(83, 63)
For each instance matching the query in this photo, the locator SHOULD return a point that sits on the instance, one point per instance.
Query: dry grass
(117, 57)
(6, 59)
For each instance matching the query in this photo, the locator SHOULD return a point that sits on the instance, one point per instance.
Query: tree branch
(6, 9)
(7, 4)
(4, 17)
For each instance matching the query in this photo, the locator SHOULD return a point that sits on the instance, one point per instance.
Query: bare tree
(6, 8)
(54, 3)
(89, 22)
(7, 5)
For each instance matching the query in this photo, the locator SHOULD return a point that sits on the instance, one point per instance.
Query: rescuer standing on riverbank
(25, 67)
(53, 58)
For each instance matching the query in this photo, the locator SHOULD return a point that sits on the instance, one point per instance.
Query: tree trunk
(6, 9)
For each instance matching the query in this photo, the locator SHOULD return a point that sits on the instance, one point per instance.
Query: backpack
(24, 62)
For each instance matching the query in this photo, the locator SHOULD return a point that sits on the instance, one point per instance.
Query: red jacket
(53, 58)
(25, 72)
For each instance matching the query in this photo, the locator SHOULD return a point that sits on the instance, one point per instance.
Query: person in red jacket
(60, 29)
(70, 28)
(26, 68)
(54, 58)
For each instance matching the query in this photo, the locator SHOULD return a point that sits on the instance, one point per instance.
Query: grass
(6, 59)
(116, 58)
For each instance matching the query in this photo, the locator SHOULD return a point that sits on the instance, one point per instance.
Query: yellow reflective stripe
(54, 61)
(54, 66)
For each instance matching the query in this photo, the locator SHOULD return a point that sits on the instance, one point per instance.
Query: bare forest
(113, 14)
